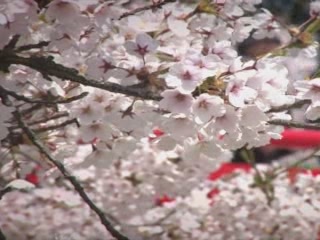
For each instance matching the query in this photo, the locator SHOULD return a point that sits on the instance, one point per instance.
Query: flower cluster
(234, 209)
(226, 205)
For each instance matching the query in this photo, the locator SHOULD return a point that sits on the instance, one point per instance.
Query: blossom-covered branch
(48, 68)
(2, 236)
(32, 46)
(298, 162)
(4, 93)
(153, 6)
(72, 179)
(293, 124)
(48, 118)
(53, 127)
(297, 104)
(4, 191)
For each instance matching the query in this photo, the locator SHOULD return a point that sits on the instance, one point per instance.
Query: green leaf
(206, 6)
(313, 27)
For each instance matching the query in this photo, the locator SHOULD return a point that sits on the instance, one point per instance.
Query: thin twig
(299, 162)
(145, 8)
(4, 191)
(54, 127)
(32, 46)
(293, 124)
(12, 43)
(72, 179)
(40, 101)
(49, 118)
(2, 236)
(297, 104)
(260, 179)
(155, 223)
(31, 109)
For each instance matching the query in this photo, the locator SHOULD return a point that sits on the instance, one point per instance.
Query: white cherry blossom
(309, 90)
(206, 107)
(144, 44)
(185, 77)
(176, 102)
(237, 91)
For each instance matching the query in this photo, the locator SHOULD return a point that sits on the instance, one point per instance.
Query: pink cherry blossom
(185, 77)
(206, 107)
(314, 9)
(176, 102)
(238, 92)
(144, 44)
(309, 90)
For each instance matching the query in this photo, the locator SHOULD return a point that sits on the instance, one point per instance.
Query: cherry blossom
(185, 77)
(61, 10)
(4, 119)
(252, 116)
(238, 92)
(206, 107)
(99, 67)
(315, 8)
(143, 45)
(176, 102)
(95, 130)
(142, 104)
(308, 90)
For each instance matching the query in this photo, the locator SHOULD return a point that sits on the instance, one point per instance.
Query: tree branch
(49, 118)
(2, 236)
(32, 46)
(4, 191)
(298, 162)
(5, 92)
(72, 179)
(47, 67)
(294, 124)
(144, 8)
(297, 104)
(53, 127)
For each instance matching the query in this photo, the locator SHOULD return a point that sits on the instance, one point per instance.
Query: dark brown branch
(32, 46)
(297, 104)
(72, 179)
(13, 42)
(299, 162)
(2, 236)
(31, 109)
(47, 67)
(7, 92)
(293, 124)
(54, 127)
(145, 8)
(49, 118)
(4, 191)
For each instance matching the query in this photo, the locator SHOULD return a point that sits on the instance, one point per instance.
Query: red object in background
(213, 193)
(160, 201)
(293, 172)
(228, 168)
(157, 132)
(80, 141)
(33, 177)
(293, 138)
